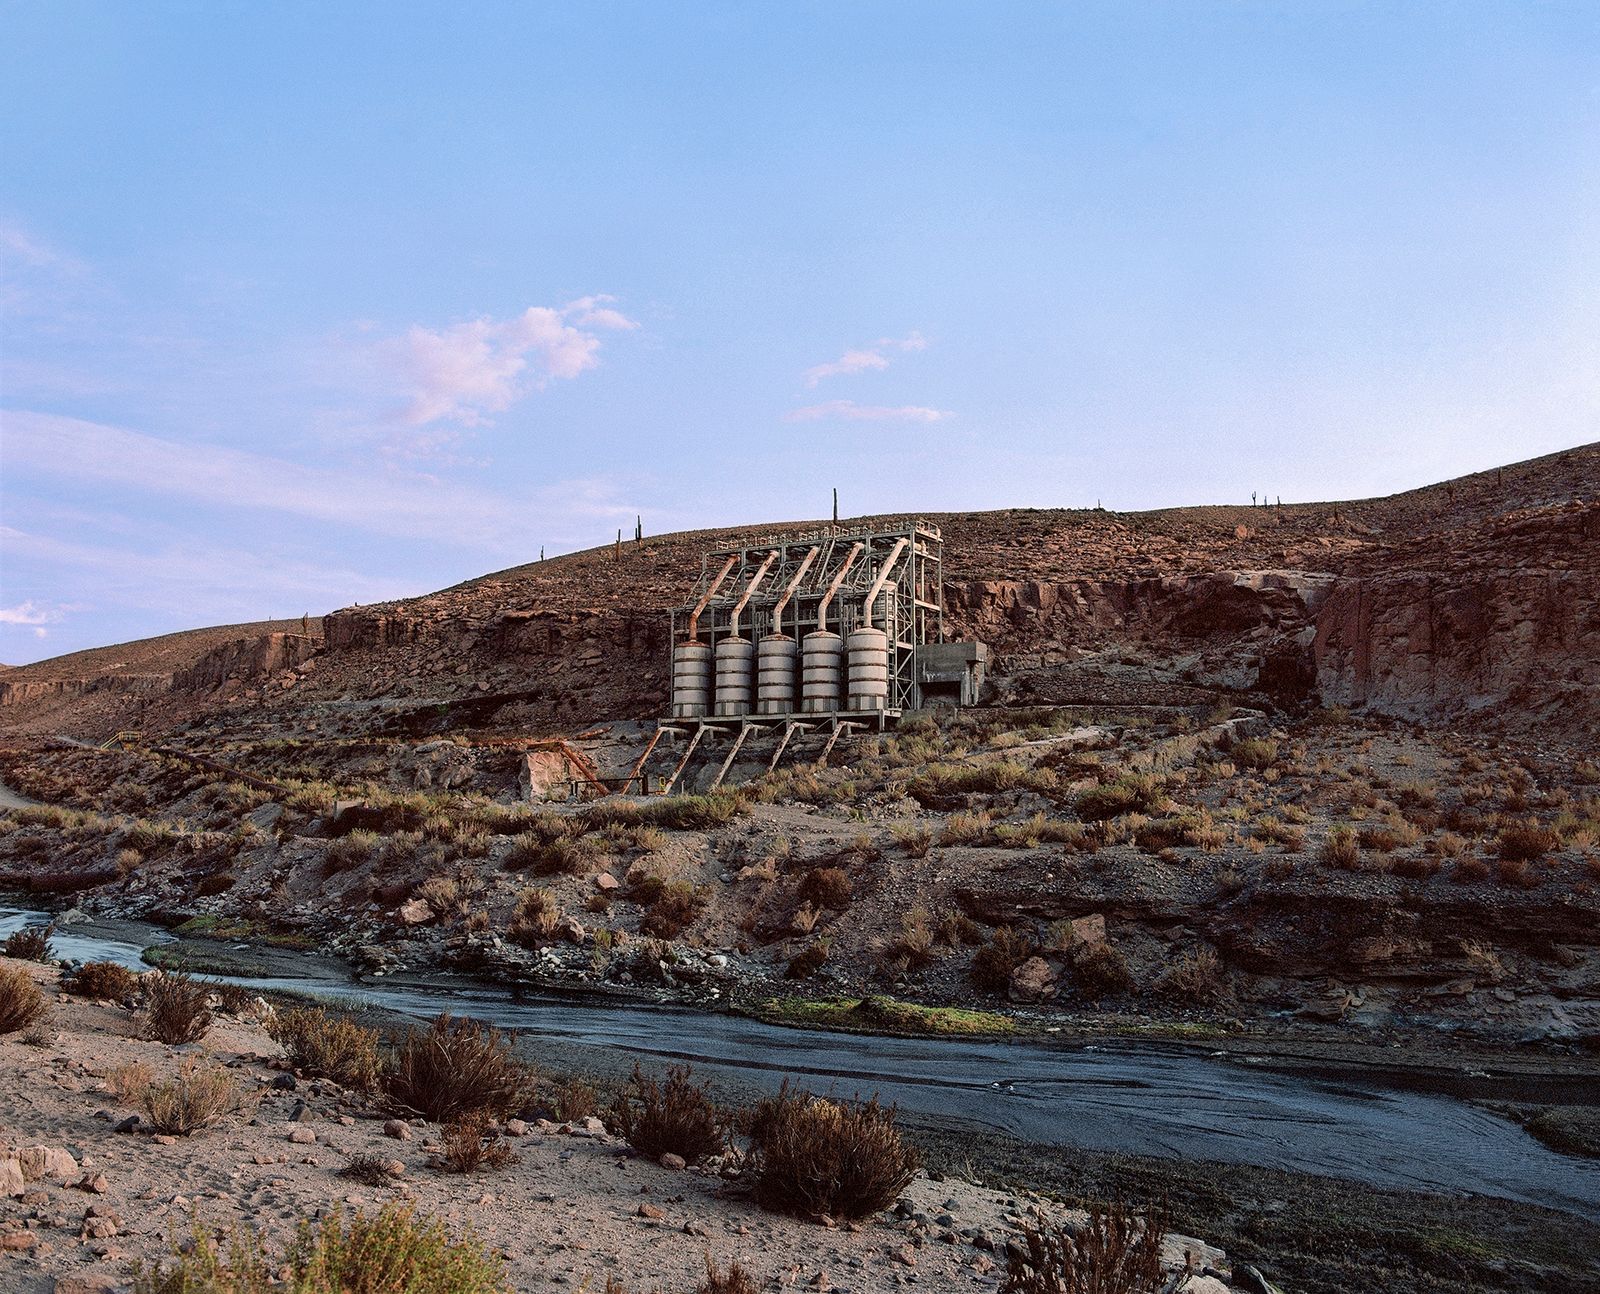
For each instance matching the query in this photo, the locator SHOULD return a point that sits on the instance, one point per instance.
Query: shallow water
(1137, 1099)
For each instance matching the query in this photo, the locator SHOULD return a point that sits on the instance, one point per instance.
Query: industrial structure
(806, 627)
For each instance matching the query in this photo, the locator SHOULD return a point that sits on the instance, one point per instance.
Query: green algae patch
(883, 1015)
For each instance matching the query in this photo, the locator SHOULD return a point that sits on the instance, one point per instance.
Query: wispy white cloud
(865, 359)
(31, 614)
(467, 371)
(364, 496)
(21, 248)
(850, 411)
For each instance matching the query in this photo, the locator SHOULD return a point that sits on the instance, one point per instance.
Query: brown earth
(1473, 601)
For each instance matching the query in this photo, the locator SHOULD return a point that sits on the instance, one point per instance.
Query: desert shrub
(535, 919)
(573, 1099)
(1418, 867)
(349, 851)
(1388, 835)
(128, 1082)
(913, 946)
(327, 1046)
(732, 1279)
(1255, 753)
(675, 1115)
(965, 828)
(673, 911)
(809, 961)
(454, 1067)
(827, 887)
(1524, 842)
(176, 1008)
(198, 1096)
(993, 964)
(1469, 869)
(1515, 872)
(1134, 794)
(959, 928)
(564, 855)
(1036, 830)
(470, 1144)
(1100, 970)
(381, 1253)
(817, 1157)
(1196, 977)
(1116, 1252)
(21, 1002)
(104, 981)
(369, 1170)
(31, 943)
(1341, 849)
(914, 839)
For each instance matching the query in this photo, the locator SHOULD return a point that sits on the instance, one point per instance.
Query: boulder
(47, 1161)
(416, 912)
(1033, 981)
(13, 1184)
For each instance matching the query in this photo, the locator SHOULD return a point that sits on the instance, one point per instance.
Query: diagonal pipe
(711, 592)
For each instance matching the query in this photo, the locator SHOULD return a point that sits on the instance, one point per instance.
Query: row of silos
(828, 673)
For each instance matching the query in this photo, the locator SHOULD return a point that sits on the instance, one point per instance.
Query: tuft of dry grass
(199, 1095)
(21, 1002)
(176, 1008)
(472, 1144)
(1116, 1252)
(993, 964)
(103, 981)
(327, 1046)
(1525, 842)
(1341, 849)
(914, 838)
(31, 943)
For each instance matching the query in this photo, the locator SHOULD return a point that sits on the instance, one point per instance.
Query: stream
(1138, 1099)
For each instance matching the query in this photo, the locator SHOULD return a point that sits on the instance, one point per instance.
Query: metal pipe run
(711, 592)
(883, 577)
(844, 569)
(749, 591)
(788, 593)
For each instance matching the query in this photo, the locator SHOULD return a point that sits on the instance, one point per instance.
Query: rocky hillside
(1474, 600)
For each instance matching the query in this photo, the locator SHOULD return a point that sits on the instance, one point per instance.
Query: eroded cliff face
(1507, 630)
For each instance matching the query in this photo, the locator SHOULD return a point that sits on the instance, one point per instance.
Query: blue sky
(307, 304)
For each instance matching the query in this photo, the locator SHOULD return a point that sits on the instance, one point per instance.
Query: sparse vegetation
(31, 943)
(200, 1094)
(325, 1046)
(816, 1157)
(456, 1067)
(1116, 1252)
(176, 1008)
(672, 1115)
(382, 1253)
(21, 1002)
(993, 964)
(103, 981)
(471, 1144)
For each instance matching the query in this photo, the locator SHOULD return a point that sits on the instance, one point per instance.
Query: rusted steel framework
(836, 580)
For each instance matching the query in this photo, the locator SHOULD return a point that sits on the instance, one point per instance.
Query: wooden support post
(839, 729)
(744, 731)
(677, 772)
(638, 764)
(788, 731)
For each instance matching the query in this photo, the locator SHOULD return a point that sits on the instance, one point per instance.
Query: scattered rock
(88, 1283)
(1033, 981)
(12, 1182)
(39, 1162)
(94, 1182)
(302, 1136)
(399, 1129)
(415, 912)
(670, 1160)
(651, 1211)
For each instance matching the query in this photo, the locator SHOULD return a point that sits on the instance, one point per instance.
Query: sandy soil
(577, 1207)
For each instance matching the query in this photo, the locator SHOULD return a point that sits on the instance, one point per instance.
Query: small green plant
(382, 1253)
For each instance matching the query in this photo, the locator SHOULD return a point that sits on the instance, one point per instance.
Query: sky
(309, 304)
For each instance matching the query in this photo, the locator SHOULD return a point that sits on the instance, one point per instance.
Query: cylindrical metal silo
(775, 664)
(821, 665)
(691, 680)
(867, 651)
(735, 673)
